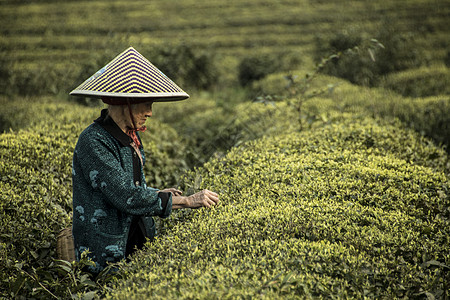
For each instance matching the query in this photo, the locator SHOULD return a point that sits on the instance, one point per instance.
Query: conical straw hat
(130, 75)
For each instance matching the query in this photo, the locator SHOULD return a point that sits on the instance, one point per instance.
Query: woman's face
(141, 112)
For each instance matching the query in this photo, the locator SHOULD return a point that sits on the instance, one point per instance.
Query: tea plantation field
(332, 185)
(353, 206)
(52, 40)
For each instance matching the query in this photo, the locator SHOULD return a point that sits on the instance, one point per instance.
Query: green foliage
(5, 74)
(349, 210)
(429, 116)
(399, 52)
(420, 82)
(165, 155)
(210, 127)
(447, 59)
(25, 112)
(49, 43)
(36, 201)
(353, 67)
(254, 68)
(42, 80)
(188, 66)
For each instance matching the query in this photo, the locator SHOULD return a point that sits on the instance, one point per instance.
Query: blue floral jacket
(110, 194)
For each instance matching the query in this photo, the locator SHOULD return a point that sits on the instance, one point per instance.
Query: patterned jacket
(110, 194)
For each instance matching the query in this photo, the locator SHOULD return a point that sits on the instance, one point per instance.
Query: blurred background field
(55, 40)
(295, 105)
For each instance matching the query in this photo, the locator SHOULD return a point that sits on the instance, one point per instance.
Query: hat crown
(130, 75)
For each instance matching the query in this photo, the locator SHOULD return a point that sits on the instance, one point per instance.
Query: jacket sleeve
(100, 162)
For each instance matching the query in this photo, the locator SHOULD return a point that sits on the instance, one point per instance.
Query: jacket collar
(109, 125)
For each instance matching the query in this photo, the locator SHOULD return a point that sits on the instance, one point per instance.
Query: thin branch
(35, 279)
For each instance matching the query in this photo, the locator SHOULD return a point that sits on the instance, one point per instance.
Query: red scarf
(132, 134)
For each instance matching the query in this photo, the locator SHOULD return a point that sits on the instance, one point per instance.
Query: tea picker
(113, 208)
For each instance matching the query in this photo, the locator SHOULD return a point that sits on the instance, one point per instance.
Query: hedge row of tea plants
(44, 120)
(36, 203)
(355, 209)
(421, 82)
(47, 44)
(428, 115)
(211, 129)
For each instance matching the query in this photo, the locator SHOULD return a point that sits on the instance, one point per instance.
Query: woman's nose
(149, 110)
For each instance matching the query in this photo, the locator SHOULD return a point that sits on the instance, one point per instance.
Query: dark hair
(124, 100)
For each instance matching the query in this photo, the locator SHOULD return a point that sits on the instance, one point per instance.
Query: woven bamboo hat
(131, 76)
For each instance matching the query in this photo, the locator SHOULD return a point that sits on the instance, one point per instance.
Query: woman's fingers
(174, 191)
(210, 198)
(204, 198)
(213, 197)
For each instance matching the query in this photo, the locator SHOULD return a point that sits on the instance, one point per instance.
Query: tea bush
(399, 52)
(211, 126)
(350, 210)
(36, 112)
(421, 82)
(354, 66)
(187, 65)
(253, 68)
(428, 115)
(35, 204)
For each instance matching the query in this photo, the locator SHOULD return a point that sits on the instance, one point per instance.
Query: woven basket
(64, 245)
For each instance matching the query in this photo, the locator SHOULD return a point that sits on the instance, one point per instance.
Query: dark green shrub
(428, 116)
(349, 210)
(20, 113)
(399, 52)
(353, 66)
(5, 74)
(252, 68)
(209, 128)
(447, 59)
(42, 80)
(189, 67)
(165, 155)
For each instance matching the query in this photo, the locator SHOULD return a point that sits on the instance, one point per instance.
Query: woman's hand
(174, 191)
(204, 198)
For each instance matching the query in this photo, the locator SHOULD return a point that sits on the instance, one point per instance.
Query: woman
(113, 206)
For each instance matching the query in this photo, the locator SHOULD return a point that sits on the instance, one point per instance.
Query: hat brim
(155, 97)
